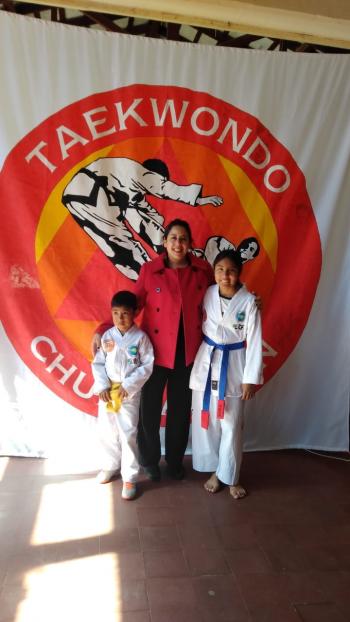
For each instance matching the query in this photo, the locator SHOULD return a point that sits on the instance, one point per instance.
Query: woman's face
(177, 245)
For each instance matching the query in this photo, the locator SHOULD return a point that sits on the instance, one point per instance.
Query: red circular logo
(86, 196)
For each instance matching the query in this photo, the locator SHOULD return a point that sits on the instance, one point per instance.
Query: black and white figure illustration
(248, 249)
(109, 200)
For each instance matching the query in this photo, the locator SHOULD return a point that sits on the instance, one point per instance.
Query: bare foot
(212, 484)
(237, 492)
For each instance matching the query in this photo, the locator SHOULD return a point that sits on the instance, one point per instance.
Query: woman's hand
(212, 200)
(123, 393)
(258, 301)
(105, 395)
(95, 344)
(248, 391)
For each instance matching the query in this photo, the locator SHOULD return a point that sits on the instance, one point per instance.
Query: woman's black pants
(177, 420)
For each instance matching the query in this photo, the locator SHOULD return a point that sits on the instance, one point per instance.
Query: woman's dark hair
(232, 255)
(124, 298)
(177, 222)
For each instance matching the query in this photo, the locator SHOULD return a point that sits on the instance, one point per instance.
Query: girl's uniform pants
(177, 420)
(118, 438)
(219, 448)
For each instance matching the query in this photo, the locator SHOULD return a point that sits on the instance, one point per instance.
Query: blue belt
(226, 348)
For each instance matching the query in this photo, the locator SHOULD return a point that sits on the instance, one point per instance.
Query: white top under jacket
(240, 322)
(124, 358)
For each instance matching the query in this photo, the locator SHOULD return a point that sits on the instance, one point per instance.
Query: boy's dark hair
(157, 166)
(124, 298)
(177, 222)
(232, 255)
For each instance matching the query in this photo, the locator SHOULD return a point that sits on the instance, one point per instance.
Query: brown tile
(204, 536)
(152, 494)
(264, 589)
(247, 560)
(130, 566)
(188, 496)
(286, 558)
(274, 613)
(173, 592)
(192, 515)
(218, 594)
(321, 558)
(136, 616)
(273, 535)
(155, 516)
(132, 596)
(203, 561)
(237, 536)
(165, 564)
(159, 538)
(308, 534)
(174, 613)
(335, 587)
(321, 612)
(125, 514)
(122, 539)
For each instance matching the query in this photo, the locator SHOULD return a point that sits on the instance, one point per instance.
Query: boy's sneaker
(104, 477)
(129, 491)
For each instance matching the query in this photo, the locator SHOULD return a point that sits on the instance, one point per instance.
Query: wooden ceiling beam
(321, 22)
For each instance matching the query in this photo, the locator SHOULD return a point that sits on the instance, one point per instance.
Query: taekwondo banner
(105, 138)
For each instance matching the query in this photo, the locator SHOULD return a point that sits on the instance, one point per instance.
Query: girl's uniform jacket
(124, 358)
(240, 322)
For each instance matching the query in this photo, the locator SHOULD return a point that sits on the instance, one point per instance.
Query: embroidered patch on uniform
(214, 385)
(108, 345)
(133, 350)
(240, 316)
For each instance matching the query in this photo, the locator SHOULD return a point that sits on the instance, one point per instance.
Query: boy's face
(123, 318)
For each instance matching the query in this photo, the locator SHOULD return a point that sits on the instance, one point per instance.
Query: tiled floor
(72, 550)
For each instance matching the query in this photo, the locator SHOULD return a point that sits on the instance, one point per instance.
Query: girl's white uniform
(127, 359)
(226, 321)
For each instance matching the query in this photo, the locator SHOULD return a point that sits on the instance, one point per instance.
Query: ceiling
(297, 25)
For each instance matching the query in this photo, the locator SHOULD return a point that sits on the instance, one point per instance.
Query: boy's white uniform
(127, 359)
(219, 448)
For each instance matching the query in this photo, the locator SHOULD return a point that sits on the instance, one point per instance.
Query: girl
(226, 372)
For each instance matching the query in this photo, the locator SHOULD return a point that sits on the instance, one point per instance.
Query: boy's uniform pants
(118, 438)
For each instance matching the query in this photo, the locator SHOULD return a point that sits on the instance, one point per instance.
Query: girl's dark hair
(232, 255)
(124, 298)
(177, 222)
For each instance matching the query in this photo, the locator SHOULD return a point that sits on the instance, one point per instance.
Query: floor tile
(204, 536)
(322, 612)
(155, 517)
(248, 561)
(165, 564)
(159, 538)
(206, 561)
(177, 592)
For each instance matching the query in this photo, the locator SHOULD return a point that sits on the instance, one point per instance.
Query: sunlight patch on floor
(73, 510)
(82, 589)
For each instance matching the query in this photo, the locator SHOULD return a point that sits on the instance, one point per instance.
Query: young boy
(120, 368)
(226, 372)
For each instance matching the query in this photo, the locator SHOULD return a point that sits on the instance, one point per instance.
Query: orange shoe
(129, 491)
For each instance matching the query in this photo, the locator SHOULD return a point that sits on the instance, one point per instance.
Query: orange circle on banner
(58, 281)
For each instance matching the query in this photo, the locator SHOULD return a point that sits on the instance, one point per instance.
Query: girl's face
(177, 245)
(226, 276)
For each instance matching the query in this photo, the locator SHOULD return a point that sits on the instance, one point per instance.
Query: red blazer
(162, 293)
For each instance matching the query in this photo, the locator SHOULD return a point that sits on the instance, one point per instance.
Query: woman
(170, 290)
